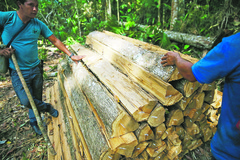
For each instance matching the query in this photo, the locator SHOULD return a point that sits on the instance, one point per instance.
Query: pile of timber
(120, 103)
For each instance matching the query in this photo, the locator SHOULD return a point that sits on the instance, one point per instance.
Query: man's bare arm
(56, 42)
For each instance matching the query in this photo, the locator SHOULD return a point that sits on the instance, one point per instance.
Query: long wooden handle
(34, 108)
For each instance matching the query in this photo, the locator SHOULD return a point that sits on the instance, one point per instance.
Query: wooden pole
(34, 108)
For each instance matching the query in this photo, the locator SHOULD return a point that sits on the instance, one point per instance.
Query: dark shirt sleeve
(45, 31)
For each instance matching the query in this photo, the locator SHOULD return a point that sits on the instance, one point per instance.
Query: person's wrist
(238, 125)
(71, 55)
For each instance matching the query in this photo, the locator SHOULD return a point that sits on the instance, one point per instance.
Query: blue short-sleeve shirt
(25, 43)
(224, 61)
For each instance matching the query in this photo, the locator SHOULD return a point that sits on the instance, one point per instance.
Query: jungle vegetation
(75, 19)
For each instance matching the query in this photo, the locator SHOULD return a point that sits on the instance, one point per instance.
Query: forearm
(64, 49)
(185, 69)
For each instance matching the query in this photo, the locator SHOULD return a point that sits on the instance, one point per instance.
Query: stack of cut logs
(120, 103)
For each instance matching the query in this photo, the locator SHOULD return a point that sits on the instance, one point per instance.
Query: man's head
(28, 8)
(22, 1)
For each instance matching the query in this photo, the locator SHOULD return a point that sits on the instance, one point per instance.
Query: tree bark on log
(162, 90)
(82, 114)
(137, 102)
(66, 126)
(193, 40)
(103, 103)
(147, 59)
(99, 126)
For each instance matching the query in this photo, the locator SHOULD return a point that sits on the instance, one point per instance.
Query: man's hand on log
(6, 52)
(77, 58)
(170, 59)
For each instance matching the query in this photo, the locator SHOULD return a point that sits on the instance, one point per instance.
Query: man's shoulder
(7, 13)
(233, 38)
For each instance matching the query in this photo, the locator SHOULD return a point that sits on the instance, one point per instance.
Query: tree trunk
(118, 17)
(174, 13)
(108, 9)
(159, 11)
(193, 40)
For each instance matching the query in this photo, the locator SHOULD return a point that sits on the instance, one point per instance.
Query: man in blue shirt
(26, 51)
(222, 61)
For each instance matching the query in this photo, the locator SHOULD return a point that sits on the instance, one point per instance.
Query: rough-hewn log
(195, 144)
(153, 48)
(137, 102)
(161, 156)
(157, 116)
(139, 149)
(197, 101)
(116, 120)
(217, 100)
(167, 132)
(180, 132)
(82, 115)
(96, 95)
(123, 124)
(144, 132)
(162, 90)
(156, 147)
(110, 155)
(174, 152)
(175, 118)
(124, 144)
(63, 130)
(183, 103)
(159, 131)
(60, 140)
(193, 130)
(193, 40)
(151, 61)
(174, 139)
(185, 87)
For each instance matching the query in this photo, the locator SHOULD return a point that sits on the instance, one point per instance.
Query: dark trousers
(34, 81)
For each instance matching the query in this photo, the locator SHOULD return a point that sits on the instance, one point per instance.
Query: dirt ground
(17, 138)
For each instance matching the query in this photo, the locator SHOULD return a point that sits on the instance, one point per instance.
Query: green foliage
(72, 21)
(42, 54)
(2, 78)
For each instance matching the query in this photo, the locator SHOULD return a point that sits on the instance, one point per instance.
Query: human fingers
(78, 58)
(164, 57)
(165, 63)
(6, 52)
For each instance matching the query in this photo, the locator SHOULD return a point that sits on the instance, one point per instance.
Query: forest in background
(74, 19)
